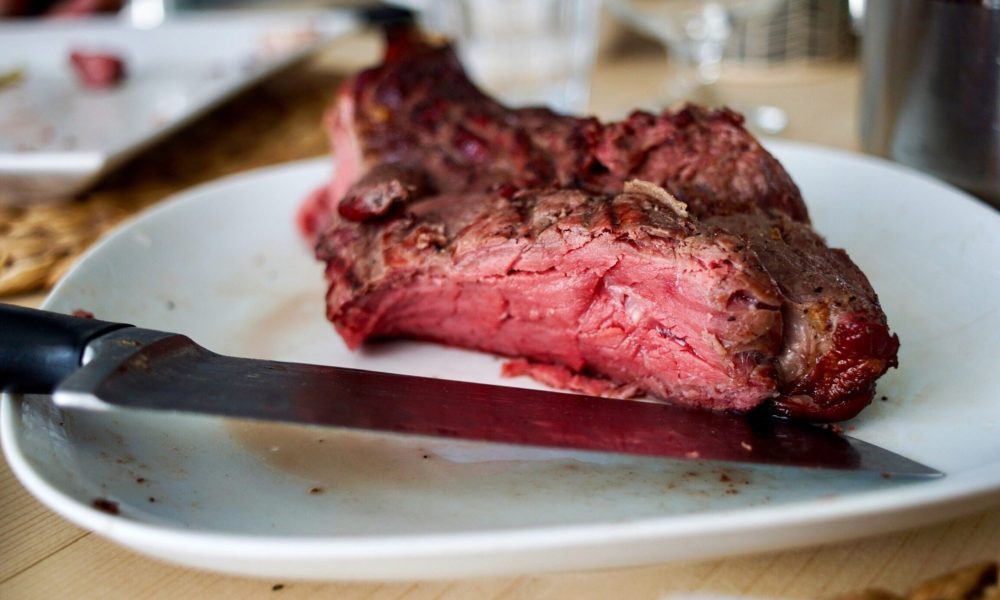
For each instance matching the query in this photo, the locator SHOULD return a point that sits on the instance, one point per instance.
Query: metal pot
(931, 91)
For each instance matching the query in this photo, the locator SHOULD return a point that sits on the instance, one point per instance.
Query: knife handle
(40, 348)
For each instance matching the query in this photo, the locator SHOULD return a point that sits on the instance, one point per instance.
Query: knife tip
(81, 400)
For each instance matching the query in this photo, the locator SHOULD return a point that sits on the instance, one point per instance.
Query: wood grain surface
(42, 556)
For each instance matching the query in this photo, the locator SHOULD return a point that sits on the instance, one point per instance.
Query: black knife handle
(39, 348)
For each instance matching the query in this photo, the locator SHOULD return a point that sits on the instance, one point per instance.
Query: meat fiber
(667, 255)
(620, 287)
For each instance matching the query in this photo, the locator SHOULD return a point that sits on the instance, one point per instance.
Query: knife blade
(96, 365)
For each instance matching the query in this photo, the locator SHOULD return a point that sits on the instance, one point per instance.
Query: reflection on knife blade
(144, 369)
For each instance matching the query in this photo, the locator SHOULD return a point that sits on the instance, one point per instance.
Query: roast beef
(667, 255)
(419, 111)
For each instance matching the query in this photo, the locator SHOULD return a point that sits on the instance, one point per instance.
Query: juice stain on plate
(337, 463)
(336, 459)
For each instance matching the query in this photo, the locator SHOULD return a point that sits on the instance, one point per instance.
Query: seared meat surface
(666, 255)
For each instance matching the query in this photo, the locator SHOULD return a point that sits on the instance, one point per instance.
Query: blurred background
(108, 106)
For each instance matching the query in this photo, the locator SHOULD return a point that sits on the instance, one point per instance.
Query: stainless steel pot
(931, 91)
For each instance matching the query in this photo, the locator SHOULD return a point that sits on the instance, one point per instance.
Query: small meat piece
(385, 187)
(97, 70)
(558, 376)
(105, 506)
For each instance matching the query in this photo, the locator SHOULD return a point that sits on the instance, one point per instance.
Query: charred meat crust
(446, 205)
(421, 109)
(836, 339)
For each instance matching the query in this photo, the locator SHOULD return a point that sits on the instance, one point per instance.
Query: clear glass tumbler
(695, 33)
(525, 52)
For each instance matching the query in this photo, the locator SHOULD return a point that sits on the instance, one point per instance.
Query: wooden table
(43, 556)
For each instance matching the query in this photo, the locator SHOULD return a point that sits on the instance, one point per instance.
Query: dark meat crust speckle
(836, 339)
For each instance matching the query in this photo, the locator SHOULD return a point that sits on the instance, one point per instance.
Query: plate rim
(975, 492)
(914, 504)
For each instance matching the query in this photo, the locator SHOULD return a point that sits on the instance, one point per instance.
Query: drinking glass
(695, 33)
(524, 52)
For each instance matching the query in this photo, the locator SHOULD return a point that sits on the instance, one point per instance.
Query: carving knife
(97, 365)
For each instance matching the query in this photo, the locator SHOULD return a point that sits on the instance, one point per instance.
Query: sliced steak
(620, 287)
(455, 219)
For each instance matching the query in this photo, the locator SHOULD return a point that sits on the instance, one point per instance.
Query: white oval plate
(223, 264)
